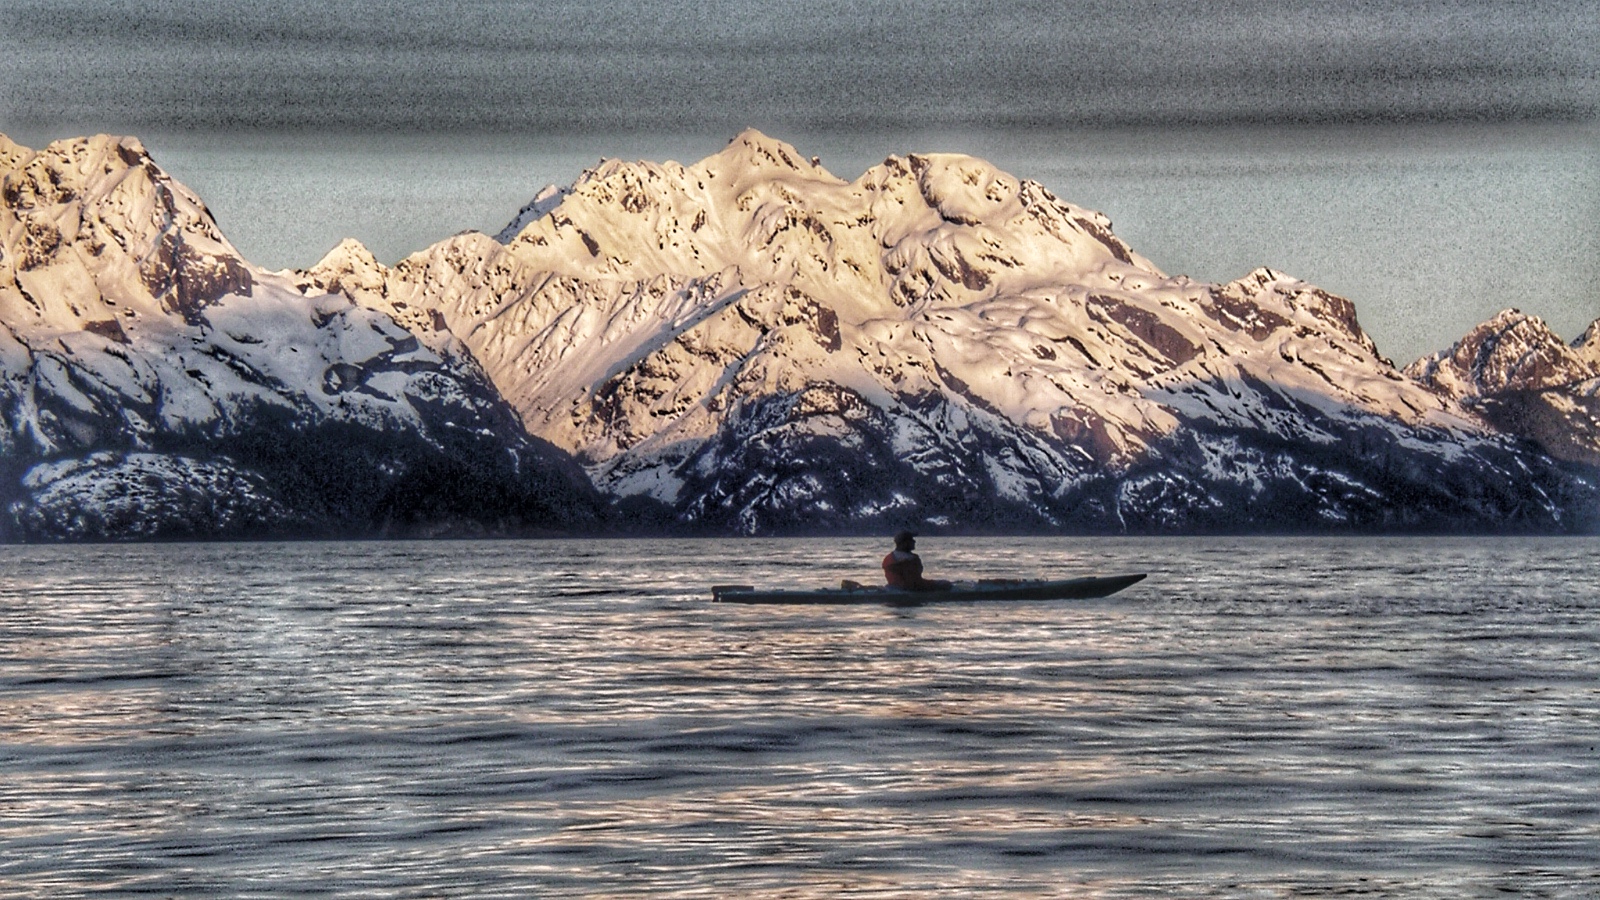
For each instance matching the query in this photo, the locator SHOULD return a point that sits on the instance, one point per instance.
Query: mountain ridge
(649, 307)
(746, 344)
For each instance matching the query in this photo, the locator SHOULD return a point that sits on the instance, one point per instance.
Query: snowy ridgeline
(745, 344)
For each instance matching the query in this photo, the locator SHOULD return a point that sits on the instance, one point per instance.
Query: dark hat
(904, 537)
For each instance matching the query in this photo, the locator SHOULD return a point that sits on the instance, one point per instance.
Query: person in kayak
(902, 568)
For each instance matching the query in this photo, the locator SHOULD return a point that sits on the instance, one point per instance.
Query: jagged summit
(348, 267)
(757, 207)
(96, 232)
(547, 199)
(11, 151)
(1587, 346)
(1512, 351)
(753, 149)
(1516, 373)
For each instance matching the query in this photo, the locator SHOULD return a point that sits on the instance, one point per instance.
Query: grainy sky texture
(721, 64)
(1434, 160)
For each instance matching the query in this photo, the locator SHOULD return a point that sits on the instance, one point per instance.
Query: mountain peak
(349, 268)
(127, 150)
(1587, 346)
(99, 233)
(751, 152)
(348, 251)
(760, 149)
(1512, 351)
(548, 198)
(11, 152)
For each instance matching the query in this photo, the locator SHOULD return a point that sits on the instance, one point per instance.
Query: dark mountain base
(776, 471)
(274, 480)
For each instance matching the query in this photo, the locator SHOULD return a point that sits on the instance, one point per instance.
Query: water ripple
(1261, 718)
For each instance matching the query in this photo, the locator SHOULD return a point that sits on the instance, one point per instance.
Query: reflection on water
(1258, 718)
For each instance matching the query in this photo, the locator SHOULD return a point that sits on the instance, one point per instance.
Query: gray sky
(515, 65)
(1435, 161)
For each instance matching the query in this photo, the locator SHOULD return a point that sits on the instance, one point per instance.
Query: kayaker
(902, 568)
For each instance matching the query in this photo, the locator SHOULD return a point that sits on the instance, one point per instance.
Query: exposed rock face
(1519, 375)
(154, 384)
(761, 346)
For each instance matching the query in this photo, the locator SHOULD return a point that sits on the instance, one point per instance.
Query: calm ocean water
(1260, 718)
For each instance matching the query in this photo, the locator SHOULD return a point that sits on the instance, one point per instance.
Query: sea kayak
(960, 592)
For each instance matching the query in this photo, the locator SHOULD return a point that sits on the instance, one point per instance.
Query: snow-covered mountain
(755, 344)
(155, 384)
(1519, 375)
(748, 343)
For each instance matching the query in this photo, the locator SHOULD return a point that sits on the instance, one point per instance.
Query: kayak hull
(969, 592)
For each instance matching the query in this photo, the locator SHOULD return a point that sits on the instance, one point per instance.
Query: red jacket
(903, 569)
